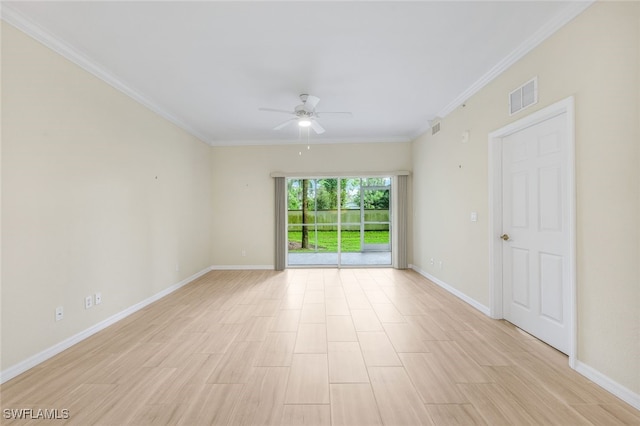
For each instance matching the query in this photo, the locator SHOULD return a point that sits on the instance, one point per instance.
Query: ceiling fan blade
(275, 110)
(311, 102)
(317, 127)
(347, 114)
(282, 125)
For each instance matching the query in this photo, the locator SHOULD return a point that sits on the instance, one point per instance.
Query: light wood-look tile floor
(313, 347)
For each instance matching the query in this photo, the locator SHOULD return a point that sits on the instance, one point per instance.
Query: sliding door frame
(394, 222)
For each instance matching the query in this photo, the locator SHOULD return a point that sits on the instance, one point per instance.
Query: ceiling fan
(305, 114)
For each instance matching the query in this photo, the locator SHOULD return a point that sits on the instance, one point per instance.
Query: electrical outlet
(431, 261)
(177, 267)
(243, 252)
(59, 313)
(97, 298)
(88, 302)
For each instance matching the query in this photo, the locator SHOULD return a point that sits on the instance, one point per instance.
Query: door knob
(505, 237)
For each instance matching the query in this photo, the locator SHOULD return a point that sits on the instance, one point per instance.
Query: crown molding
(571, 11)
(16, 19)
(328, 141)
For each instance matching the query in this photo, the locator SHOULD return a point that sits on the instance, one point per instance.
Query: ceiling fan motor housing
(305, 114)
(302, 112)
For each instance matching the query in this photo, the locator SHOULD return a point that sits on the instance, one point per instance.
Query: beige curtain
(281, 223)
(403, 211)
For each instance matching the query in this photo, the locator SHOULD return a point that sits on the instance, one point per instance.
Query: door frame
(356, 175)
(375, 247)
(565, 106)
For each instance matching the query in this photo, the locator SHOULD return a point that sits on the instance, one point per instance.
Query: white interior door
(535, 220)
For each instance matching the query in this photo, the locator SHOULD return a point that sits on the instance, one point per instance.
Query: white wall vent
(435, 128)
(524, 96)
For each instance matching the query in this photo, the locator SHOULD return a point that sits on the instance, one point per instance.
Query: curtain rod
(339, 174)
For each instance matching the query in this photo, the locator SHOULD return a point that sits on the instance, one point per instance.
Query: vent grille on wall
(524, 96)
(435, 128)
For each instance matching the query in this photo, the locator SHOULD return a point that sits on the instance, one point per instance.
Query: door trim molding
(495, 210)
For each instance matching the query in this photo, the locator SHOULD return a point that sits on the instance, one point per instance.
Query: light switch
(474, 216)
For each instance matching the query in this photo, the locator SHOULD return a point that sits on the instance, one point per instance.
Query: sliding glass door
(339, 221)
(312, 222)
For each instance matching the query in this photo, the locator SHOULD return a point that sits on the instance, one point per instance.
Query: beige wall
(98, 195)
(82, 210)
(243, 191)
(596, 59)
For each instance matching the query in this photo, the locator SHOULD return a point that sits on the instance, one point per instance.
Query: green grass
(328, 240)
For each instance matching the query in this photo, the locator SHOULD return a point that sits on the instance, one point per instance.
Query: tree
(294, 194)
(305, 207)
(326, 194)
(376, 200)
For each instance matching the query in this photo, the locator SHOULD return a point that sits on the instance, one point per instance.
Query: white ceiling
(209, 66)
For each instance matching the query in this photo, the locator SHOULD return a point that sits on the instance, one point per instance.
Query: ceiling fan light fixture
(304, 114)
(304, 122)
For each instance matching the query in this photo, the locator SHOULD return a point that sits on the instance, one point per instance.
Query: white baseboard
(241, 267)
(590, 373)
(38, 358)
(479, 306)
(625, 394)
